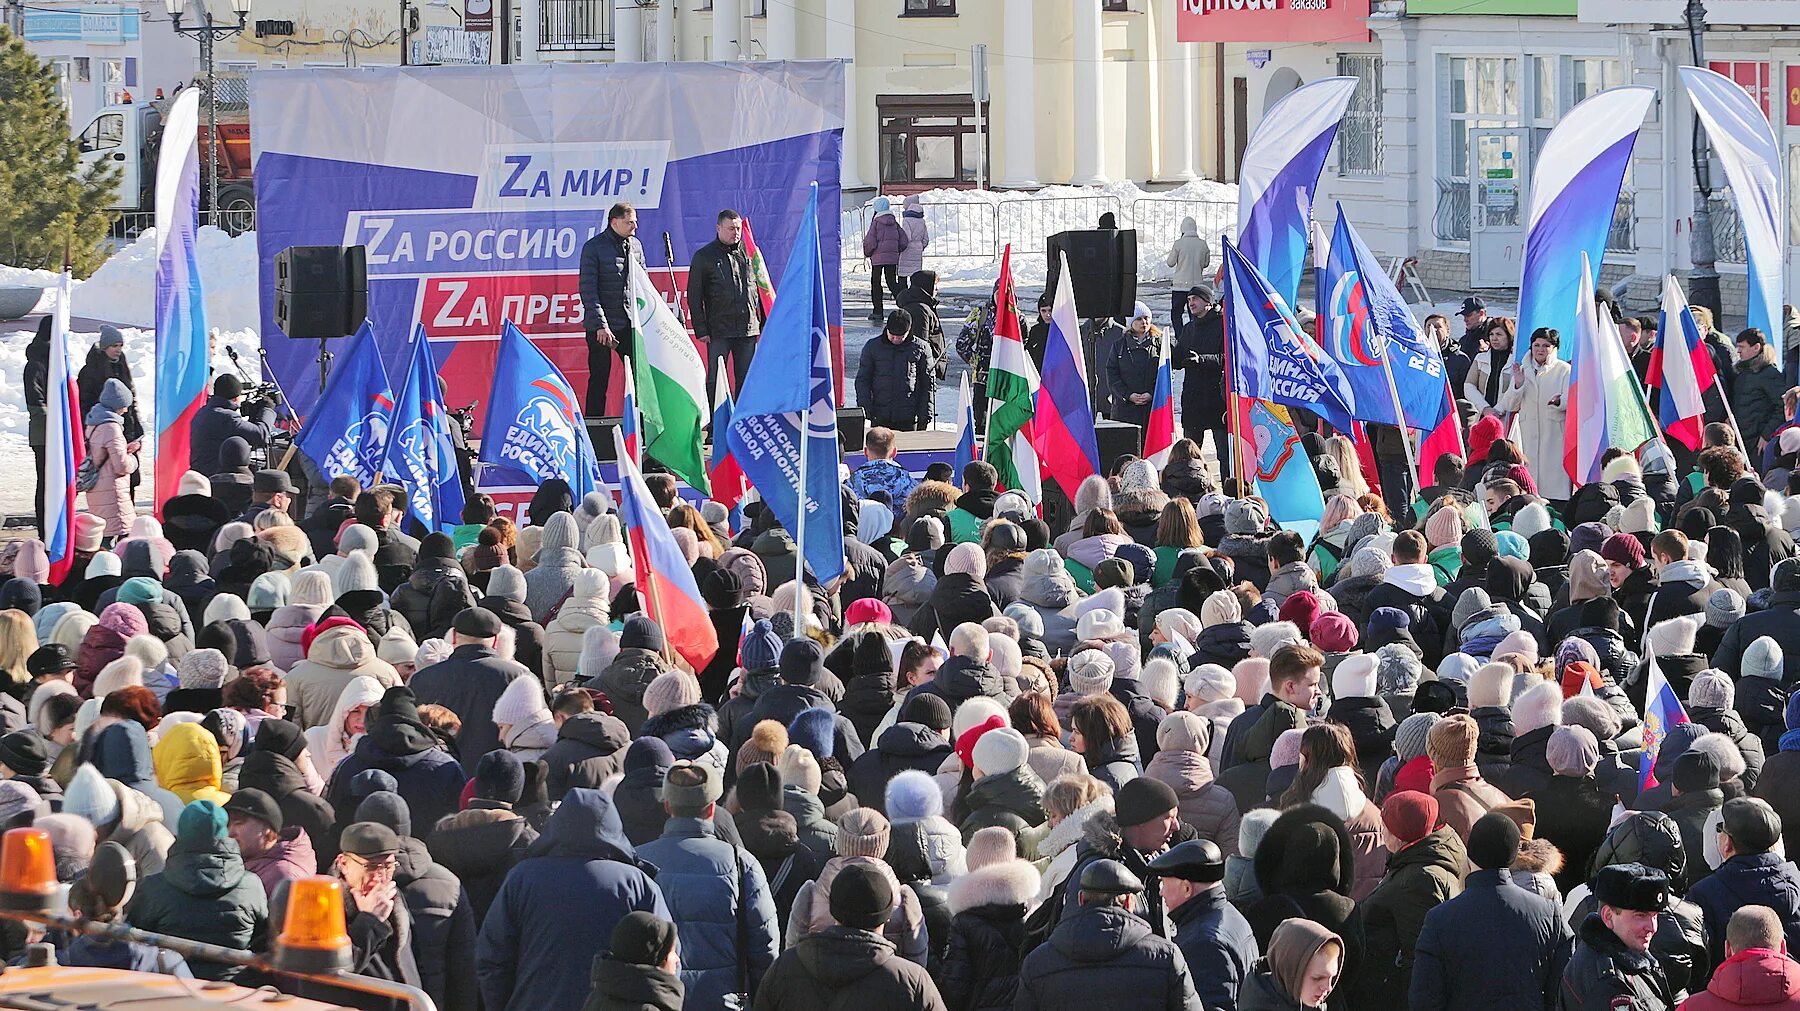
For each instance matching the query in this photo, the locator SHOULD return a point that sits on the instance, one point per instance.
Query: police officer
(1215, 938)
(1612, 968)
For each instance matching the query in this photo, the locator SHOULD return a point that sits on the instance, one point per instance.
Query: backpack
(87, 477)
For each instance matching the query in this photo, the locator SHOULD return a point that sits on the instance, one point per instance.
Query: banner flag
(1162, 431)
(421, 458)
(1279, 468)
(666, 586)
(1573, 196)
(1271, 357)
(347, 435)
(1745, 145)
(1012, 395)
(727, 477)
(1662, 711)
(671, 383)
(533, 424)
(791, 379)
(965, 426)
(1362, 320)
(1277, 175)
(1606, 407)
(1682, 368)
(1066, 439)
(181, 334)
(759, 268)
(65, 444)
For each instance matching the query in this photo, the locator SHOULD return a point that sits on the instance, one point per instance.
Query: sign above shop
(1272, 20)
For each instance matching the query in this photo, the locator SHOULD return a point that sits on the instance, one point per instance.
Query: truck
(129, 136)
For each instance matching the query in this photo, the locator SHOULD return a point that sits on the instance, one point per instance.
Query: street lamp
(1703, 281)
(209, 33)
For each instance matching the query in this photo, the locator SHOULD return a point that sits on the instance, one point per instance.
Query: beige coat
(1539, 402)
(111, 498)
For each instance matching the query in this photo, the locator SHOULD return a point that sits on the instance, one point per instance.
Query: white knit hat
(669, 691)
(432, 651)
(522, 703)
(1266, 639)
(507, 583)
(202, 668)
(1710, 689)
(599, 646)
(397, 647)
(1537, 707)
(148, 649)
(1001, 750)
(798, 768)
(121, 673)
(1354, 677)
(1210, 682)
(1458, 667)
(1090, 672)
(1674, 636)
(1099, 623)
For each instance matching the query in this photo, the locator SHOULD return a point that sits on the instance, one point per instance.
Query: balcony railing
(575, 25)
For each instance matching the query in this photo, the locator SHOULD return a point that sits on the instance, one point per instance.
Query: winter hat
(385, 807)
(759, 787)
(1575, 649)
(799, 768)
(1090, 672)
(1125, 658)
(121, 673)
(1493, 842)
(25, 753)
(139, 590)
(500, 775)
(1724, 607)
(1520, 642)
(1210, 682)
(103, 564)
(802, 662)
(642, 938)
(992, 845)
(1118, 570)
(312, 588)
(1245, 517)
(1355, 677)
(967, 739)
(1411, 736)
(1537, 707)
(202, 668)
(1491, 686)
(1623, 549)
(522, 703)
(913, 796)
(761, 648)
(1179, 621)
(435, 651)
(1530, 520)
(1220, 607)
(1409, 815)
(1252, 827)
(1512, 545)
(1694, 771)
(1458, 667)
(966, 559)
(1266, 639)
(863, 832)
(1398, 670)
(862, 897)
(269, 591)
(1161, 680)
(1143, 799)
(1252, 677)
(1763, 658)
(868, 609)
(147, 649)
(90, 530)
(17, 798)
(1000, 751)
(357, 537)
(928, 710)
(641, 633)
(1451, 742)
(814, 729)
(1573, 752)
(397, 647)
(355, 574)
(90, 796)
(1472, 602)
(1031, 623)
(1099, 623)
(648, 753)
(1674, 636)
(1710, 689)
(1300, 607)
(194, 483)
(1724, 752)
(1385, 622)
(1184, 731)
(1444, 527)
(768, 740)
(671, 690)
(1752, 824)
(507, 583)
(1333, 632)
(1286, 750)
(201, 822)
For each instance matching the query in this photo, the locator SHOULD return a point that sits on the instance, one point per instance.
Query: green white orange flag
(671, 383)
(1012, 386)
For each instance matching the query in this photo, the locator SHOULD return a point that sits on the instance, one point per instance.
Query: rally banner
(473, 190)
(1370, 332)
(1748, 152)
(181, 333)
(1279, 172)
(1573, 194)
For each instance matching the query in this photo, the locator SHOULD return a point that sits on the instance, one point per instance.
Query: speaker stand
(324, 361)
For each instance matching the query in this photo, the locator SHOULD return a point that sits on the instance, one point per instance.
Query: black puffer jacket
(1680, 944)
(894, 383)
(432, 597)
(921, 303)
(479, 845)
(443, 927)
(605, 269)
(987, 928)
(900, 747)
(1224, 644)
(1729, 723)
(722, 299)
(961, 679)
(1013, 800)
(589, 749)
(1493, 741)
(1200, 349)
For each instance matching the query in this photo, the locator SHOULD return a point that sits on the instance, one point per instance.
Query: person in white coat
(912, 222)
(1190, 256)
(1537, 393)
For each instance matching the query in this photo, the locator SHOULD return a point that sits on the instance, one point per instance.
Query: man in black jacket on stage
(605, 278)
(723, 303)
(1200, 349)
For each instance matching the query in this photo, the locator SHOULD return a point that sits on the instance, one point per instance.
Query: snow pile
(968, 228)
(26, 277)
(15, 451)
(123, 290)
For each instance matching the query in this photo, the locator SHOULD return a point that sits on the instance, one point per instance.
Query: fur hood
(1070, 830)
(1103, 834)
(1007, 883)
(698, 716)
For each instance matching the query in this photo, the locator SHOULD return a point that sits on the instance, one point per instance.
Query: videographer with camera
(227, 414)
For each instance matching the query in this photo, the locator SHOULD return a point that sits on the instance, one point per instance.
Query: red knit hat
(965, 745)
(314, 630)
(1624, 549)
(1333, 632)
(867, 609)
(1575, 673)
(1482, 436)
(1301, 608)
(1411, 816)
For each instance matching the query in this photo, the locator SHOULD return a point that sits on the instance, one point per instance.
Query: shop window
(927, 140)
(930, 9)
(1359, 138)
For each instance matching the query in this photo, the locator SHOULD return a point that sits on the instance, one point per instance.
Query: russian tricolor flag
(1447, 437)
(1662, 710)
(1606, 409)
(1066, 440)
(181, 332)
(665, 583)
(722, 470)
(965, 426)
(629, 428)
(1681, 367)
(1162, 430)
(65, 444)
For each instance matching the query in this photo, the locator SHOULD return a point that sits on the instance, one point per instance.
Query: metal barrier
(1028, 222)
(130, 224)
(1158, 223)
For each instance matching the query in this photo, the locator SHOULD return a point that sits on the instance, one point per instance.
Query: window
(1115, 6)
(1589, 77)
(104, 133)
(1359, 139)
(84, 69)
(927, 140)
(930, 9)
(1484, 93)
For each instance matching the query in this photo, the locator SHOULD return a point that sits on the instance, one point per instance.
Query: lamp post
(1703, 282)
(209, 33)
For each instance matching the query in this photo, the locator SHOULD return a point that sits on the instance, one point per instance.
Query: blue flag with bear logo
(421, 457)
(534, 424)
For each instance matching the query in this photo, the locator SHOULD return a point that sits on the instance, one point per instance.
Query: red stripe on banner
(174, 453)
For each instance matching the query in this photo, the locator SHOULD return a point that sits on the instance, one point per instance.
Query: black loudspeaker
(1102, 266)
(853, 424)
(600, 433)
(321, 291)
(1116, 439)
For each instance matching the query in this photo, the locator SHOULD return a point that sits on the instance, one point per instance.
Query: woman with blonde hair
(1328, 551)
(1350, 477)
(684, 515)
(18, 640)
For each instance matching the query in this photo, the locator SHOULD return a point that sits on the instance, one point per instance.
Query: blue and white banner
(1367, 329)
(534, 426)
(182, 336)
(421, 457)
(1279, 172)
(474, 189)
(347, 436)
(1271, 357)
(1748, 152)
(1573, 195)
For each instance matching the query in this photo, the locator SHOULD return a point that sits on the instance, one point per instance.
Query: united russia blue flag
(791, 379)
(1363, 319)
(1662, 711)
(347, 435)
(420, 456)
(1271, 357)
(534, 424)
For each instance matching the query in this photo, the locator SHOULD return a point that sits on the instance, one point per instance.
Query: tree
(49, 201)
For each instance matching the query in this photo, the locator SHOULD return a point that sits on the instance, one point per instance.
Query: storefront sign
(1793, 95)
(97, 26)
(1674, 12)
(1515, 8)
(1272, 20)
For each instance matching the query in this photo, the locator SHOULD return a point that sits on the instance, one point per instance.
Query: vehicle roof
(40, 989)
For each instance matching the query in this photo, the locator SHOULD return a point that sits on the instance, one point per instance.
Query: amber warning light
(27, 871)
(312, 936)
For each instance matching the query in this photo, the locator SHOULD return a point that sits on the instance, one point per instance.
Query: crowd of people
(1163, 750)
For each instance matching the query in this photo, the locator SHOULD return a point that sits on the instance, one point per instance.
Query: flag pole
(1387, 370)
(800, 525)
